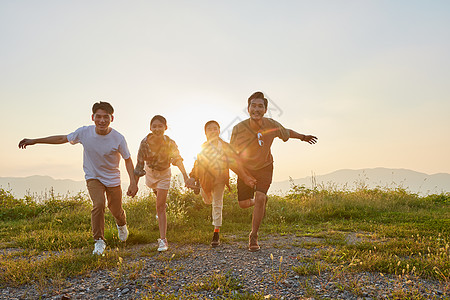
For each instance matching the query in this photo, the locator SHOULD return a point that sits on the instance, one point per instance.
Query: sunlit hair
(104, 106)
(159, 118)
(257, 95)
(211, 122)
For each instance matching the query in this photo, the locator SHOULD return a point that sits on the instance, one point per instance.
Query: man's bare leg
(247, 203)
(258, 211)
(258, 215)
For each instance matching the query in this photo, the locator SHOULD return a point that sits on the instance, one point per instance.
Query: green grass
(395, 232)
(223, 282)
(27, 268)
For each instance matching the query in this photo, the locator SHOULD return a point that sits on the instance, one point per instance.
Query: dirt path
(202, 272)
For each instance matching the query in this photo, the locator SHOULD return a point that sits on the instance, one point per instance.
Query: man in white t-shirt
(103, 146)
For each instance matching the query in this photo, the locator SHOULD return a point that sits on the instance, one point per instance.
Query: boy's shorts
(264, 179)
(157, 179)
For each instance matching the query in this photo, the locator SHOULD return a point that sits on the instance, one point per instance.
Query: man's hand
(26, 142)
(310, 139)
(132, 190)
(249, 180)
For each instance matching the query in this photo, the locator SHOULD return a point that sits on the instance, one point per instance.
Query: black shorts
(264, 179)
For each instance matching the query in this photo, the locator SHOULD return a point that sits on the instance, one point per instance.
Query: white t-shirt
(101, 155)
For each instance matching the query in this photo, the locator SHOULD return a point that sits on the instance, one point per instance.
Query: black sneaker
(215, 240)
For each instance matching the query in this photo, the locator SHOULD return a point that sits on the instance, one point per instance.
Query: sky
(369, 78)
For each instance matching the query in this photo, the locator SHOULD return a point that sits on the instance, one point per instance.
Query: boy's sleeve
(194, 172)
(139, 169)
(232, 158)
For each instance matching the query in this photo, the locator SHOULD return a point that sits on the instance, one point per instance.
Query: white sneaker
(99, 247)
(163, 245)
(122, 232)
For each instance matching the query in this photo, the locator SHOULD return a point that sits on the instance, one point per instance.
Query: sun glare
(186, 128)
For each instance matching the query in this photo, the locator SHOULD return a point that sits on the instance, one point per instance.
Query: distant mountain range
(415, 182)
(411, 181)
(41, 186)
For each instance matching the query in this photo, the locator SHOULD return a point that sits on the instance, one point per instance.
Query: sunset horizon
(368, 79)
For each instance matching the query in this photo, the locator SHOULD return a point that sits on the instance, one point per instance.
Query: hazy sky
(371, 79)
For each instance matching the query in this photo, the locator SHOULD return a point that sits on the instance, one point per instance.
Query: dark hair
(258, 95)
(159, 118)
(211, 122)
(103, 105)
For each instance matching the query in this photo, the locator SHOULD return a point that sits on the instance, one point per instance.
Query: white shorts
(158, 179)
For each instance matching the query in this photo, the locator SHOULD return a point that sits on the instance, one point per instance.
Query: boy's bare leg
(161, 211)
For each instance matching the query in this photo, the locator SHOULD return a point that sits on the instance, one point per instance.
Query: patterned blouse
(212, 165)
(157, 160)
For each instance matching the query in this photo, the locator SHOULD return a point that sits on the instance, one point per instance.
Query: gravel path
(188, 272)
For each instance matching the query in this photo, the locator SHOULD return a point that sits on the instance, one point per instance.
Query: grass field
(390, 231)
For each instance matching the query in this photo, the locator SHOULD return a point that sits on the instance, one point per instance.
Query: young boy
(211, 169)
(252, 139)
(103, 147)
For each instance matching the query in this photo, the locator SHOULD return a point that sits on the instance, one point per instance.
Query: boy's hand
(132, 190)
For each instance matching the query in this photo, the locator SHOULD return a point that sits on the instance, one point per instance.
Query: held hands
(190, 183)
(132, 190)
(26, 142)
(310, 139)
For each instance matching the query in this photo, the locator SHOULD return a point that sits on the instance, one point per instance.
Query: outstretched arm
(306, 138)
(180, 165)
(133, 188)
(55, 139)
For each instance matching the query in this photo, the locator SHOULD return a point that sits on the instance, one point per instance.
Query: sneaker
(122, 232)
(215, 240)
(163, 245)
(99, 247)
(253, 242)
